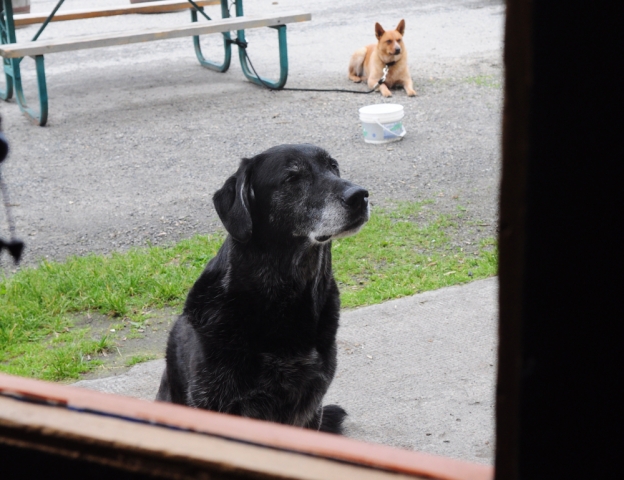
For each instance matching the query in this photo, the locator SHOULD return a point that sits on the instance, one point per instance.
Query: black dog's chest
(293, 370)
(280, 326)
(279, 352)
(298, 380)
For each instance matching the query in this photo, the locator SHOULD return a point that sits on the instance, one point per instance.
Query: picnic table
(13, 52)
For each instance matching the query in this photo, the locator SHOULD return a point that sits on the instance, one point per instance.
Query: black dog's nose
(355, 197)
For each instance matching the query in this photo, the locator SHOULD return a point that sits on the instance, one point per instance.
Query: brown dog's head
(390, 42)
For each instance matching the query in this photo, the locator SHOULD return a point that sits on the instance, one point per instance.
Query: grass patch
(37, 335)
(488, 81)
(401, 251)
(139, 359)
(396, 255)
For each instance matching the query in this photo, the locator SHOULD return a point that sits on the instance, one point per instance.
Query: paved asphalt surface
(139, 137)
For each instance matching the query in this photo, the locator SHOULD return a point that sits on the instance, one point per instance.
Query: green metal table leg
(225, 13)
(207, 63)
(13, 74)
(39, 117)
(7, 93)
(283, 54)
(7, 35)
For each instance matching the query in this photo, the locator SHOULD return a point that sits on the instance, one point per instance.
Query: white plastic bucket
(382, 123)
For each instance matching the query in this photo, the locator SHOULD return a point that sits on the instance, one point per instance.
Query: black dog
(257, 336)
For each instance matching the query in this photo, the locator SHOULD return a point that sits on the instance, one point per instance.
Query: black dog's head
(291, 192)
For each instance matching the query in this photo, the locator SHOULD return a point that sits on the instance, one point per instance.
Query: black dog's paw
(333, 416)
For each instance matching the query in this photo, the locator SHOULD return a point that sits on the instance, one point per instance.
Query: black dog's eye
(292, 176)
(334, 166)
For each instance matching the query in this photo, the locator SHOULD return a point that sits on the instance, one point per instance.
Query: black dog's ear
(232, 204)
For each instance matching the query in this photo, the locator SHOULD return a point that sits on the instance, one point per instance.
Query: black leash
(13, 246)
(243, 45)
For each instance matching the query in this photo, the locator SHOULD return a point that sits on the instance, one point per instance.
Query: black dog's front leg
(328, 419)
(316, 421)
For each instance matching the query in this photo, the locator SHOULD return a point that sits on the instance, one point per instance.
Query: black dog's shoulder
(208, 288)
(182, 346)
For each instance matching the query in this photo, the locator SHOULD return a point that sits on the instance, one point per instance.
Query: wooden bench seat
(45, 47)
(149, 7)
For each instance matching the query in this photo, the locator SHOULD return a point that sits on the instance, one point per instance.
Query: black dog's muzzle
(355, 198)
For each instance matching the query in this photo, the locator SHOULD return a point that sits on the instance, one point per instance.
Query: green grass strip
(397, 253)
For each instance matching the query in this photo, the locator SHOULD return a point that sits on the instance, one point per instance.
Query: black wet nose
(397, 51)
(355, 197)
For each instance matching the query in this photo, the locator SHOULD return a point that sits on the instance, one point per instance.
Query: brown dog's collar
(390, 64)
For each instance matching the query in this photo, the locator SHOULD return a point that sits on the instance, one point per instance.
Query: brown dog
(368, 63)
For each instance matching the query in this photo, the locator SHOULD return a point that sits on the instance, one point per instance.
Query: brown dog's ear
(379, 31)
(401, 27)
(232, 204)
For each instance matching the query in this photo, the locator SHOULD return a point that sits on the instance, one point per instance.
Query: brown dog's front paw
(355, 78)
(385, 91)
(411, 92)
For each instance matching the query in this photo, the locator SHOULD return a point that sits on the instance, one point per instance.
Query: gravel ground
(140, 136)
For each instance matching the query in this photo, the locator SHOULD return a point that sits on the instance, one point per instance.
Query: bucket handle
(390, 131)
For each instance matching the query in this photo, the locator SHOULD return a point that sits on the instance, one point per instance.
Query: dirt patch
(130, 342)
